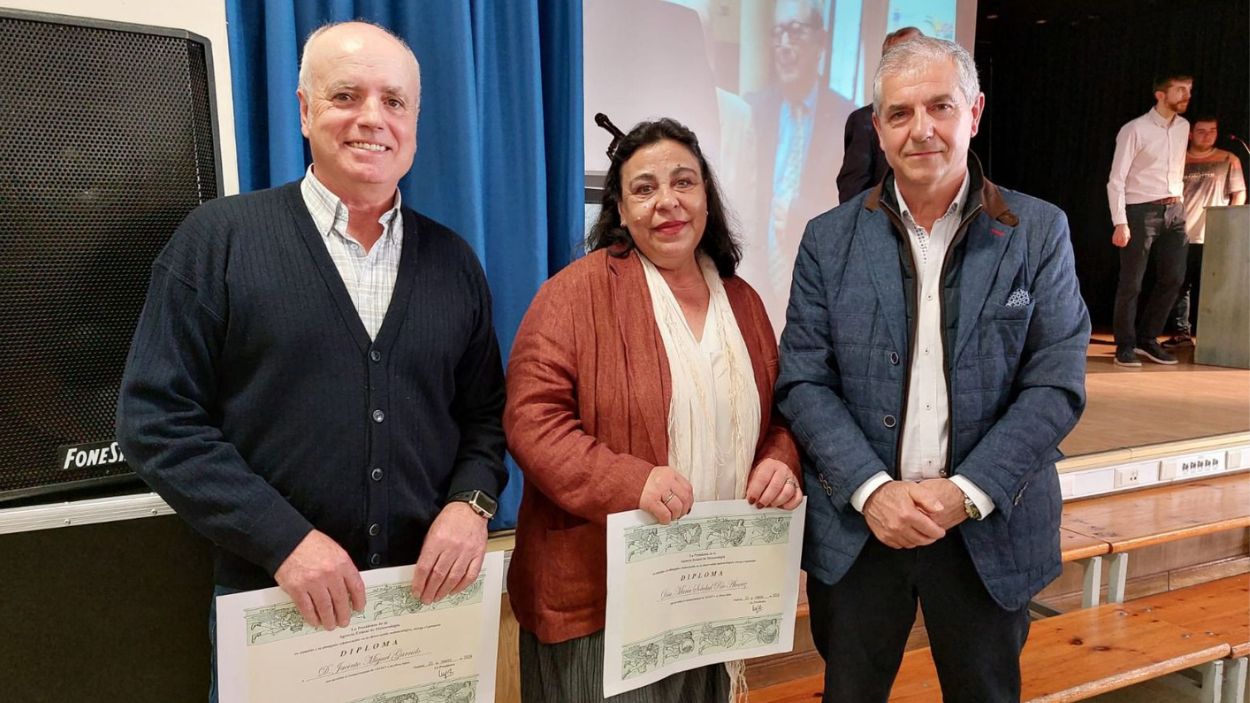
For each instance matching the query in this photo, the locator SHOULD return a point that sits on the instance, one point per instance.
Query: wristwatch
(481, 503)
(971, 509)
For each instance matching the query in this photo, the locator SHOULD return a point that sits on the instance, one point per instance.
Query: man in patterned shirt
(1212, 177)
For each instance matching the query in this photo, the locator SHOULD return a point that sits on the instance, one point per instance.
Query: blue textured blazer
(1015, 372)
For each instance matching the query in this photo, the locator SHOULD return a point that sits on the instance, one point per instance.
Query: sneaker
(1151, 350)
(1125, 356)
(1179, 340)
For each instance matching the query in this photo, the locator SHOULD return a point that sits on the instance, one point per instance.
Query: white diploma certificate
(396, 650)
(721, 583)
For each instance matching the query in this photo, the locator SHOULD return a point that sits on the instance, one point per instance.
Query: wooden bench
(1068, 657)
(1120, 644)
(1218, 611)
(1128, 521)
(1082, 653)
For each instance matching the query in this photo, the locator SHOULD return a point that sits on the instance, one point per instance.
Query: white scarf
(702, 410)
(697, 415)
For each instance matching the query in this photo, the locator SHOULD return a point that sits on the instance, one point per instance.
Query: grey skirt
(572, 672)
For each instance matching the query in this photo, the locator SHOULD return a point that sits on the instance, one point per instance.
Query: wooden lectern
(1224, 302)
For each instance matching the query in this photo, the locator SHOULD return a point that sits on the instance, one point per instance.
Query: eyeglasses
(797, 31)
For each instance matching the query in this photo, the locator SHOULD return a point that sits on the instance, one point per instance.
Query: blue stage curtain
(499, 142)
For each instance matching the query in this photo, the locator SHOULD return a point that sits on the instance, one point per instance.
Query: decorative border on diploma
(718, 585)
(392, 652)
(694, 534)
(278, 622)
(458, 691)
(686, 642)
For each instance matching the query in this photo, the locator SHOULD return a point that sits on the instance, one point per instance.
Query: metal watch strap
(971, 508)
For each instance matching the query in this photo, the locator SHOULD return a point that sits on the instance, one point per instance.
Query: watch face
(485, 503)
(481, 503)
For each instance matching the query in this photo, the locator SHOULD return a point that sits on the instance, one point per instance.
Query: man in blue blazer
(933, 359)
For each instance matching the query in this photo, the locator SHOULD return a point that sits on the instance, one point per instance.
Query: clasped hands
(903, 514)
(667, 495)
(326, 587)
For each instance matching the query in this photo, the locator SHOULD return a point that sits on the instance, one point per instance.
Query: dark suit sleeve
(858, 168)
(167, 420)
(1049, 389)
(479, 400)
(809, 387)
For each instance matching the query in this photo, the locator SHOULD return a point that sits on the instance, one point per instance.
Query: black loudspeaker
(108, 138)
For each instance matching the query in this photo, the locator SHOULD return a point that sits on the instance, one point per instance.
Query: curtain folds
(499, 141)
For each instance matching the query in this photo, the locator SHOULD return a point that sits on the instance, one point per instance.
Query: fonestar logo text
(86, 456)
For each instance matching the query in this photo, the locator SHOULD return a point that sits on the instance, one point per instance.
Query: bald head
(359, 94)
(338, 38)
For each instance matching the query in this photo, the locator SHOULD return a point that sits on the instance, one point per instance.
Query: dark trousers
(1185, 314)
(860, 625)
(1159, 231)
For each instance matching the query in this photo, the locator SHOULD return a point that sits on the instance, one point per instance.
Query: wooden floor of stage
(1132, 407)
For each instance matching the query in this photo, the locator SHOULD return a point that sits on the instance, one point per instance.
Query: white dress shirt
(1149, 162)
(369, 276)
(926, 419)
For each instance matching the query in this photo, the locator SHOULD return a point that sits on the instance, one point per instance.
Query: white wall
(204, 17)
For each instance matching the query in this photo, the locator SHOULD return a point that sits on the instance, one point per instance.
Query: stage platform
(1132, 408)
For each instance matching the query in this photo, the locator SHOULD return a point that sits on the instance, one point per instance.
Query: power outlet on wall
(1137, 475)
(1238, 459)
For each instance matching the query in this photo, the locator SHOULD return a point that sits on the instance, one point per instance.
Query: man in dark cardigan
(314, 383)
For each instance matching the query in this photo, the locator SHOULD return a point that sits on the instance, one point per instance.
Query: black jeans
(860, 625)
(1185, 315)
(1157, 229)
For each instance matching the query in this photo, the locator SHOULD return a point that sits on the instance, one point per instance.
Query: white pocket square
(1019, 298)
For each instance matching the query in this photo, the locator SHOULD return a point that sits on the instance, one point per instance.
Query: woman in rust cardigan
(641, 378)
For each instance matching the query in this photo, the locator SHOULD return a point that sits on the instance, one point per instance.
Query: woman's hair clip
(603, 121)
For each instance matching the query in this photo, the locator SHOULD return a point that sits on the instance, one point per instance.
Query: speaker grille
(107, 142)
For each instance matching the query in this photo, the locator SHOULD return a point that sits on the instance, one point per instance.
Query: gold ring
(792, 482)
(671, 495)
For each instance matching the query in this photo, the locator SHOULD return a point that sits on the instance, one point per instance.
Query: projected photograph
(767, 85)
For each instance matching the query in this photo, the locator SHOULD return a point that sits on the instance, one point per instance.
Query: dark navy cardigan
(256, 405)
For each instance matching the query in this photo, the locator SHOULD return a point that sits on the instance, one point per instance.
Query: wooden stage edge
(1152, 451)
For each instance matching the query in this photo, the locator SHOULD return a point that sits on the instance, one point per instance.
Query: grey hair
(915, 54)
(303, 59)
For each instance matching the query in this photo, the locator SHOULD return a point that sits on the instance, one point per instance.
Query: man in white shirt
(933, 358)
(1145, 192)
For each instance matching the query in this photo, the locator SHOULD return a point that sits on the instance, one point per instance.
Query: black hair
(608, 232)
